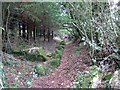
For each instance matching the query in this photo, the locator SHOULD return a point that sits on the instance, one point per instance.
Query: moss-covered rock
(40, 70)
(32, 54)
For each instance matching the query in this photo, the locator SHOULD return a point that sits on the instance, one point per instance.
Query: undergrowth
(57, 55)
(40, 70)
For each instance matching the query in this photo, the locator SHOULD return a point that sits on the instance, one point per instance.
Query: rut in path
(66, 73)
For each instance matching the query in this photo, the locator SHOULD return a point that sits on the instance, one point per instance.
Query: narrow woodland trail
(66, 73)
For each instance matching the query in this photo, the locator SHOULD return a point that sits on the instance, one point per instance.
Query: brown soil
(66, 73)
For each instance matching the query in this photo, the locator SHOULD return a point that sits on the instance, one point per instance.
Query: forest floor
(66, 73)
(19, 72)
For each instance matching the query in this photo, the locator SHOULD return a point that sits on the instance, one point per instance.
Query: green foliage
(57, 53)
(18, 53)
(63, 32)
(89, 23)
(40, 69)
(22, 46)
(61, 46)
(108, 76)
(55, 63)
(85, 78)
(59, 50)
(47, 11)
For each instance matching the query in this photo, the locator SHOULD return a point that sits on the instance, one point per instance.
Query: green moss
(62, 43)
(57, 55)
(37, 56)
(55, 63)
(40, 69)
(49, 54)
(42, 52)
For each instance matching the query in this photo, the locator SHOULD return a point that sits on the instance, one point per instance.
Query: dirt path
(66, 73)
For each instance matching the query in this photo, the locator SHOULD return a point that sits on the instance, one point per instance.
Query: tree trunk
(6, 40)
(34, 31)
(37, 31)
(30, 30)
(48, 34)
(1, 25)
(19, 30)
(44, 28)
(23, 30)
(27, 32)
(52, 35)
(44, 34)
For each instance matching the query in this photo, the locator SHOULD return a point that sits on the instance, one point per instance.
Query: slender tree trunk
(34, 28)
(23, 29)
(37, 31)
(1, 25)
(30, 30)
(27, 32)
(48, 34)
(19, 31)
(52, 35)
(44, 28)
(6, 42)
(44, 34)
